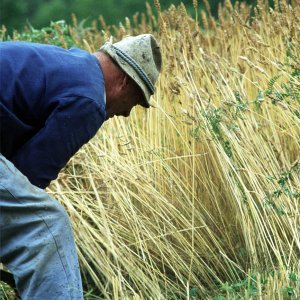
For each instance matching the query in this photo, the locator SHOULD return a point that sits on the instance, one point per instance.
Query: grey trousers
(36, 240)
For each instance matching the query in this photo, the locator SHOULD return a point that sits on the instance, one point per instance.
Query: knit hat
(140, 58)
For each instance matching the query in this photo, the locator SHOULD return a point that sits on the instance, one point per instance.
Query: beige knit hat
(140, 58)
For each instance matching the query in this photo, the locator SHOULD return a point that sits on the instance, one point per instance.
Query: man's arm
(73, 123)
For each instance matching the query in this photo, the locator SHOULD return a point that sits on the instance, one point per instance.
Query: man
(52, 101)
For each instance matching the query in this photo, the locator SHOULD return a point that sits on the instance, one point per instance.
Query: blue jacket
(51, 103)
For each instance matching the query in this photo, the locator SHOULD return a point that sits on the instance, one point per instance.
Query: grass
(197, 197)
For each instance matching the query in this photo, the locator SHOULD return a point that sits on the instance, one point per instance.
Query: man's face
(124, 101)
(125, 105)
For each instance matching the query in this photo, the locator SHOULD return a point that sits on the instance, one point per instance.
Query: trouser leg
(36, 240)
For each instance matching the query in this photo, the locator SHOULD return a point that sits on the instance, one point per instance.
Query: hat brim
(108, 49)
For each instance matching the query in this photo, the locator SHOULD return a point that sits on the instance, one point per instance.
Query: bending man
(52, 101)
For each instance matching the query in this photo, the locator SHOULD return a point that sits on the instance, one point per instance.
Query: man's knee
(56, 217)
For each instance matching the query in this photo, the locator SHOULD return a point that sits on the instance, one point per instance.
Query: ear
(124, 82)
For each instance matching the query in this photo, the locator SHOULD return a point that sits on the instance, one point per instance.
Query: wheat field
(197, 197)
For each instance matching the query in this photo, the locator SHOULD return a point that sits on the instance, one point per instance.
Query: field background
(197, 197)
(15, 14)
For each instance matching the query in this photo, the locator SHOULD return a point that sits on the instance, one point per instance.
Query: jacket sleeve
(71, 124)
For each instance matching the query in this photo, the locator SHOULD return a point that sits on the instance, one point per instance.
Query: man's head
(130, 68)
